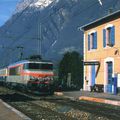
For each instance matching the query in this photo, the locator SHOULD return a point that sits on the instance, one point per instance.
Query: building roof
(100, 21)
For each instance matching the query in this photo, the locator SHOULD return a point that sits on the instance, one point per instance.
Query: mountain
(49, 27)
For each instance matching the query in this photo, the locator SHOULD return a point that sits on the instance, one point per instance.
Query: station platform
(92, 96)
(9, 113)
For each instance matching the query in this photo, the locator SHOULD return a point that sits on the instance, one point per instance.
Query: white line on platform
(23, 116)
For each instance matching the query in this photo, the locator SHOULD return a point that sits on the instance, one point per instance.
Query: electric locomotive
(32, 75)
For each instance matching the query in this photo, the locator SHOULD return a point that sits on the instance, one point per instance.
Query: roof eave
(82, 28)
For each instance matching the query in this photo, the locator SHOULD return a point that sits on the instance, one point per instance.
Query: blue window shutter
(95, 40)
(88, 42)
(104, 38)
(112, 36)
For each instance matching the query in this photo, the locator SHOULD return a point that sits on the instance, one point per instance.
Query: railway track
(26, 104)
(37, 112)
(58, 108)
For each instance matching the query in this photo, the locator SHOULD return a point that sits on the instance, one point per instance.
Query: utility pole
(40, 39)
(39, 47)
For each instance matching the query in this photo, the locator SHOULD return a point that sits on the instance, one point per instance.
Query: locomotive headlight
(40, 79)
(32, 78)
(48, 79)
(51, 78)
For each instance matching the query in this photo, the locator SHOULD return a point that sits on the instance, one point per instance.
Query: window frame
(92, 40)
(108, 41)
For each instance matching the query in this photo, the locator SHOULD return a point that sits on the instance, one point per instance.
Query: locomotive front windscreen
(38, 66)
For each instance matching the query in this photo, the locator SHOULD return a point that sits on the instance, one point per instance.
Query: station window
(92, 41)
(109, 36)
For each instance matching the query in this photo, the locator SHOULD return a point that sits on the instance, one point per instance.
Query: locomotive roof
(29, 61)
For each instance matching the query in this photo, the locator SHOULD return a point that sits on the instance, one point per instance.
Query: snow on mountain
(52, 30)
(22, 5)
(35, 4)
(42, 3)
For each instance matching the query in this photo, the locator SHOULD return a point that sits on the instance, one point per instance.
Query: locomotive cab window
(37, 66)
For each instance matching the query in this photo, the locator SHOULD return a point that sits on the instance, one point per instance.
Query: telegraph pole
(39, 47)
(40, 39)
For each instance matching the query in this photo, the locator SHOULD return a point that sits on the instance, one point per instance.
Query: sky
(7, 7)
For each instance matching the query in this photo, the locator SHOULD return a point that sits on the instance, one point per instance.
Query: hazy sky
(6, 9)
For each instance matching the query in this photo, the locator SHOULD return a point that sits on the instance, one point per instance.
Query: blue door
(110, 71)
(93, 75)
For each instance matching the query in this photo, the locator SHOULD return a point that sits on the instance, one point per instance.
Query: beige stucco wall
(101, 53)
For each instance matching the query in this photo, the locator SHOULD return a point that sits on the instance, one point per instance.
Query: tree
(71, 64)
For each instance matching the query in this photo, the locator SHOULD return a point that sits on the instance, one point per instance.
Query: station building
(102, 53)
